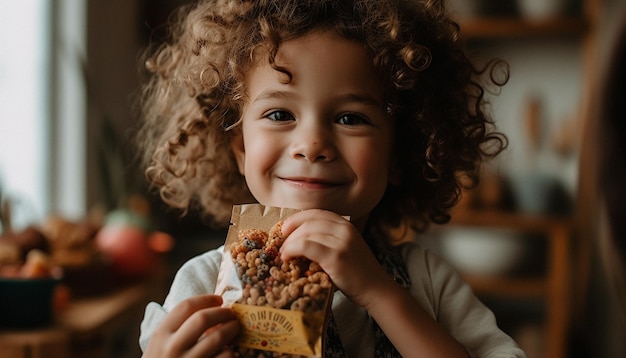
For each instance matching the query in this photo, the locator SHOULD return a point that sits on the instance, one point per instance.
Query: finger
(215, 342)
(311, 247)
(295, 220)
(330, 233)
(186, 308)
(199, 322)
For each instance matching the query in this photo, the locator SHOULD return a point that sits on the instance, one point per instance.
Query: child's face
(322, 140)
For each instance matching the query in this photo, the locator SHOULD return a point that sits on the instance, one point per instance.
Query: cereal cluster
(298, 284)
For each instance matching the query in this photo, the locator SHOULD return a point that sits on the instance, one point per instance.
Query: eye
(352, 119)
(280, 116)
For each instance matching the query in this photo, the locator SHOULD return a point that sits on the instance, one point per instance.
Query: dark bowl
(27, 303)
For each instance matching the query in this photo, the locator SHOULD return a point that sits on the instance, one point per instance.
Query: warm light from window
(24, 80)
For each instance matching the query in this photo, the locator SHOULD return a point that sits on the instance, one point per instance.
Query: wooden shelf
(90, 314)
(511, 27)
(516, 221)
(554, 287)
(85, 329)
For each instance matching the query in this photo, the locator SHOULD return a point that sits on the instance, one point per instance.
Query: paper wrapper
(283, 307)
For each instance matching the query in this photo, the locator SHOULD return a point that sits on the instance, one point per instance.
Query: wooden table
(100, 326)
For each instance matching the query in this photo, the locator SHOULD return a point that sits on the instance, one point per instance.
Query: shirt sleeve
(453, 304)
(197, 276)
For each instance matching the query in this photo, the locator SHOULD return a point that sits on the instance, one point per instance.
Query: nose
(314, 143)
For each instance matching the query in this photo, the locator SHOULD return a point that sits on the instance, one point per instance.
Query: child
(361, 108)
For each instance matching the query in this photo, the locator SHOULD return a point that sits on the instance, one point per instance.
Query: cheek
(256, 153)
(371, 166)
(262, 152)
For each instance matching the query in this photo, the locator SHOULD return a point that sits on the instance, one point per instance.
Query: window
(42, 108)
(24, 81)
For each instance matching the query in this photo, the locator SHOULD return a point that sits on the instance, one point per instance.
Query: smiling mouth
(311, 183)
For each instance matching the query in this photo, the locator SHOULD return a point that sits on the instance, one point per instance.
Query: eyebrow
(363, 98)
(274, 95)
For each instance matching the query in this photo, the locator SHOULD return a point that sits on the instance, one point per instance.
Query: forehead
(322, 41)
(314, 58)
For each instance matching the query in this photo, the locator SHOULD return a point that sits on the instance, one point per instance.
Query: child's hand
(196, 327)
(339, 248)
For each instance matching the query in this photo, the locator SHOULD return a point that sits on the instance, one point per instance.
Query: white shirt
(434, 284)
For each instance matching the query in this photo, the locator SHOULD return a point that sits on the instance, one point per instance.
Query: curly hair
(195, 93)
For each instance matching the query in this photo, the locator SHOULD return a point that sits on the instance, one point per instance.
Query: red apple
(128, 248)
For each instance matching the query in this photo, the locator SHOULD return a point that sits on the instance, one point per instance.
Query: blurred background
(524, 239)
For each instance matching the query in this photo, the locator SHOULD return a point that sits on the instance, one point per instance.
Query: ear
(236, 145)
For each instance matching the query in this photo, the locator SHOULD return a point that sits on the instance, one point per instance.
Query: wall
(112, 72)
